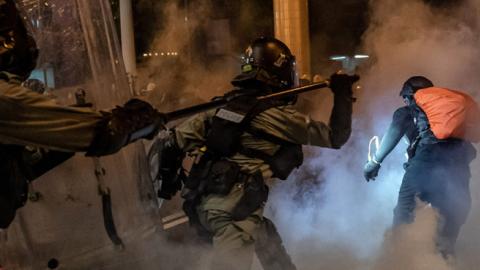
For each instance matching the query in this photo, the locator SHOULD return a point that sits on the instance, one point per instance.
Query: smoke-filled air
(330, 218)
(335, 219)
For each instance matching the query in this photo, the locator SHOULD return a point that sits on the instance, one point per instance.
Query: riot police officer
(241, 146)
(30, 119)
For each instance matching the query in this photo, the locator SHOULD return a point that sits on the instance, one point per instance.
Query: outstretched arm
(293, 126)
(397, 129)
(401, 123)
(29, 118)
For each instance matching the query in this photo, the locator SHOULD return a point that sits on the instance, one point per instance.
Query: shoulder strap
(260, 107)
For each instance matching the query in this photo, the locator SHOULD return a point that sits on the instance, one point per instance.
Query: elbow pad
(135, 120)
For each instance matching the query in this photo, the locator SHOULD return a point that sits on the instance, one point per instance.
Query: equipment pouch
(223, 175)
(195, 183)
(254, 196)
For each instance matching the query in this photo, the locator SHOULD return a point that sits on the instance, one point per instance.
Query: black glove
(137, 118)
(170, 188)
(125, 124)
(341, 84)
(170, 170)
(370, 171)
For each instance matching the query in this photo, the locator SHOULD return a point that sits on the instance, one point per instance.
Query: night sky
(336, 27)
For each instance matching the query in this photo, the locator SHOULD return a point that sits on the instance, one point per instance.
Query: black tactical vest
(231, 121)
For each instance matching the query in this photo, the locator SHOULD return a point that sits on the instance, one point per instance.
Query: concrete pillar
(291, 27)
(128, 42)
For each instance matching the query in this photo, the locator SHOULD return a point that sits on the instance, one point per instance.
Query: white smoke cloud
(340, 223)
(411, 246)
(334, 219)
(184, 79)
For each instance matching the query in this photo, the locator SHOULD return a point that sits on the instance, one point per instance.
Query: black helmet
(18, 50)
(413, 84)
(268, 60)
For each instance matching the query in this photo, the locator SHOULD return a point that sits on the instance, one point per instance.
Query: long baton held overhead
(222, 101)
(180, 217)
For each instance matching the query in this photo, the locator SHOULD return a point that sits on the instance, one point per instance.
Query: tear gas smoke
(335, 220)
(184, 78)
(410, 247)
(329, 216)
(202, 68)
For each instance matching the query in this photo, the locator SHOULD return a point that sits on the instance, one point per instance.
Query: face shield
(269, 61)
(78, 48)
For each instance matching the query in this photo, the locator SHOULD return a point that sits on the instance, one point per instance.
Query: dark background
(336, 27)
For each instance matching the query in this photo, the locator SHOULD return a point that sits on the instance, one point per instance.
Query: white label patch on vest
(230, 116)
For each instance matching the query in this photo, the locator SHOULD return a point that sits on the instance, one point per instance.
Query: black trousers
(439, 174)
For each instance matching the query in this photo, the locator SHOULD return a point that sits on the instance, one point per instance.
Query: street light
(360, 56)
(349, 63)
(338, 58)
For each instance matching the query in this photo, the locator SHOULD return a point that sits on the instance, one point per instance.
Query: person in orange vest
(438, 169)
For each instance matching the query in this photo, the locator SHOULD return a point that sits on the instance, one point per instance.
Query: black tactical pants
(439, 174)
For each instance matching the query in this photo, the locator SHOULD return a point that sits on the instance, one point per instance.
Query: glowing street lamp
(360, 56)
(338, 58)
(349, 63)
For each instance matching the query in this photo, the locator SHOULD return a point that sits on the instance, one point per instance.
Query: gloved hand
(370, 171)
(139, 115)
(169, 188)
(341, 84)
(170, 170)
(125, 124)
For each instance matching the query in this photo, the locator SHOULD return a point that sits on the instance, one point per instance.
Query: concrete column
(291, 27)
(128, 42)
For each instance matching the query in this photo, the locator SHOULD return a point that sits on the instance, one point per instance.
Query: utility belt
(211, 176)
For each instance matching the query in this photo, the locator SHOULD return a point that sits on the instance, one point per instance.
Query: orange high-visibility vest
(450, 113)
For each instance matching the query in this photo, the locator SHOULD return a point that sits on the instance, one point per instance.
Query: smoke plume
(329, 217)
(335, 220)
(194, 72)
